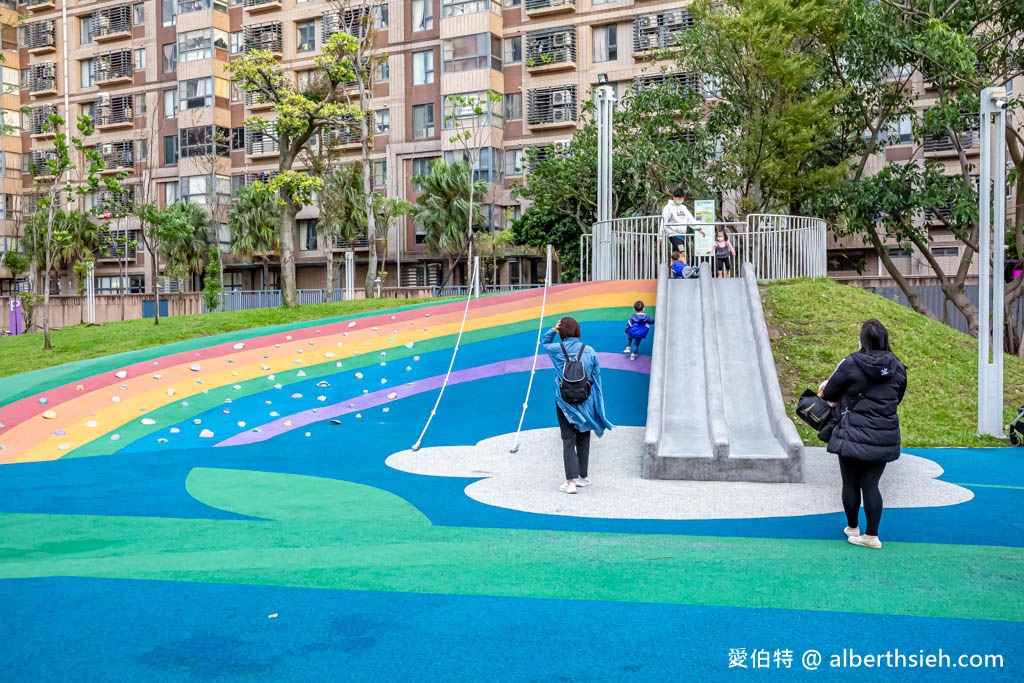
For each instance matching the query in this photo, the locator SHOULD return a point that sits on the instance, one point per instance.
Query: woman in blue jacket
(576, 421)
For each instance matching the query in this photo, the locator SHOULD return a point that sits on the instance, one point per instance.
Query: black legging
(575, 448)
(862, 475)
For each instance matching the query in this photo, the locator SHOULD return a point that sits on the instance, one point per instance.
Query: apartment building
(10, 140)
(153, 76)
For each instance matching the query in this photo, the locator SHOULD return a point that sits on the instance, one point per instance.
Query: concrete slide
(715, 410)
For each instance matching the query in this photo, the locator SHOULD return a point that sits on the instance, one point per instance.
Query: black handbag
(813, 410)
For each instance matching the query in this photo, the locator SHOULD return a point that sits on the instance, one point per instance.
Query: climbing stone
(338, 364)
(278, 386)
(43, 401)
(274, 413)
(359, 375)
(91, 424)
(409, 345)
(359, 416)
(158, 376)
(308, 434)
(121, 374)
(296, 395)
(300, 373)
(50, 415)
(237, 387)
(383, 380)
(148, 421)
(352, 324)
(170, 392)
(206, 434)
(374, 329)
(323, 384)
(197, 421)
(60, 432)
(383, 363)
(255, 430)
(184, 404)
(329, 354)
(288, 337)
(238, 347)
(311, 342)
(226, 411)
(270, 378)
(298, 361)
(115, 437)
(175, 430)
(80, 388)
(241, 423)
(408, 368)
(335, 422)
(299, 351)
(264, 367)
(321, 398)
(415, 357)
(227, 400)
(287, 423)
(124, 387)
(161, 440)
(386, 409)
(393, 395)
(195, 367)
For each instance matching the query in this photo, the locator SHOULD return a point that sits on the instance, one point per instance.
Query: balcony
(659, 31)
(111, 23)
(113, 67)
(257, 6)
(40, 37)
(39, 5)
(352, 21)
(118, 203)
(254, 101)
(551, 49)
(261, 143)
(944, 145)
(117, 156)
(358, 244)
(461, 8)
(41, 79)
(110, 113)
(260, 176)
(686, 82)
(266, 36)
(190, 6)
(335, 137)
(39, 122)
(536, 8)
(116, 245)
(37, 163)
(552, 107)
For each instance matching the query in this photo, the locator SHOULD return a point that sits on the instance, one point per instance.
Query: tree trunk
(47, 244)
(266, 273)
(289, 298)
(917, 301)
(329, 294)
(371, 220)
(154, 270)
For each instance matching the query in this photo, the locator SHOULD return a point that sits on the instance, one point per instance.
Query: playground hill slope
(814, 323)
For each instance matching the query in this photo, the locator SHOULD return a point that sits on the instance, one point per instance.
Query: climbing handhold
(206, 434)
(393, 395)
(158, 376)
(329, 354)
(311, 342)
(308, 434)
(352, 324)
(115, 399)
(241, 423)
(227, 400)
(288, 337)
(278, 385)
(91, 424)
(148, 421)
(299, 351)
(121, 374)
(255, 430)
(386, 409)
(415, 357)
(270, 378)
(321, 398)
(239, 346)
(323, 384)
(43, 401)
(115, 437)
(237, 387)
(49, 415)
(359, 416)
(60, 432)
(161, 440)
(197, 421)
(264, 367)
(300, 373)
(296, 395)
(335, 422)
(409, 345)
(195, 367)
(184, 404)
(80, 388)
(298, 361)
(175, 430)
(124, 387)
(338, 364)
(408, 368)
(170, 392)
(383, 363)
(359, 375)
(383, 380)
(274, 413)
(226, 411)
(287, 423)
(374, 329)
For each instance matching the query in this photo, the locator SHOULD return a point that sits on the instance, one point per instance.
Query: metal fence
(245, 300)
(463, 290)
(779, 247)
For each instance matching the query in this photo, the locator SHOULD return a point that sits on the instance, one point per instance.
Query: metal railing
(245, 300)
(463, 290)
(778, 247)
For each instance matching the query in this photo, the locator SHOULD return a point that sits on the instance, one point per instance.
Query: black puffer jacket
(867, 387)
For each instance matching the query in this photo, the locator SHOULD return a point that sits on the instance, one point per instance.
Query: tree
(957, 49)
(16, 262)
(536, 228)
(211, 280)
(253, 225)
(302, 112)
(171, 234)
(54, 176)
(385, 211)
(443, 210)
(189, 248)
(342, 211)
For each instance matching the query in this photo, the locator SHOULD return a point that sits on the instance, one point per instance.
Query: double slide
(715, 410)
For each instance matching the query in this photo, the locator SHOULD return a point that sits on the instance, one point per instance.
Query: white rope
(451, 364)
(536, 352)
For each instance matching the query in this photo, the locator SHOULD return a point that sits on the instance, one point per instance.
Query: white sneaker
(632, 356)
(625, 350)
(568, 487)
(852, 531)
(583, 481)
(866, 541)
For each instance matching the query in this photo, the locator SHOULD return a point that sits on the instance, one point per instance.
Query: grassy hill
(816, 323)
(813, 325)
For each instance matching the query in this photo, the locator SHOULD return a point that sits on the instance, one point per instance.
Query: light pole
(990, 251)
(601, 240)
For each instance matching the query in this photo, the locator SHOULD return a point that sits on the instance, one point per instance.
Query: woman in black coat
(867, 386)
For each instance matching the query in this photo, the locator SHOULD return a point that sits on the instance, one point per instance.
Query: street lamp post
(601, 240)
(992, 245)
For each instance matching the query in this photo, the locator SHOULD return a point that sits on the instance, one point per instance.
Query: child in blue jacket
(636, 329)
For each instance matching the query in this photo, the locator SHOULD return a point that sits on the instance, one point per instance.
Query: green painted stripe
(990, 486)
(326, 533)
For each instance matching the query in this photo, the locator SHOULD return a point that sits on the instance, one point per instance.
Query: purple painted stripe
(609, 361)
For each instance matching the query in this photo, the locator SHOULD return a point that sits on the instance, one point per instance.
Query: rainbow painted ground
(158, 507)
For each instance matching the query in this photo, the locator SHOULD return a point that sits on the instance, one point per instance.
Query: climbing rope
(465, 313)
(536, 352)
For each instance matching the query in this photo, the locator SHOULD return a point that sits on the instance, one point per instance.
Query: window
(237, 42)
(195, 189)
(383, 71)
(465, 113)
(513, 50)
(140, 13)
(195, 93)
(236, 92)
(193, 45)
(170, 151)
(140, 105)
(514, 106)
(513, 162)
(468, 53)
(307, 228)
(305, 36)
(423, 67)
(11, 80)
(86, 72)
(85, 30)
(847, 259)
(423, 121)
(458, 8)
(422, 15)
(380, 173)
(142, 150)
(902, 130)
(113, 284)
(167, 11)
(383, 121)
(169, 57)
(204, 140)
(517, 3)
(140, 59)
(420, 167)
(380, 16)
(172, 192)
(489, 165)
(606, 43)
(170, 103)
(945, 252)
(238, 138)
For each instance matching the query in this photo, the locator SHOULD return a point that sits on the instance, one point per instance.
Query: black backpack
(574, 383)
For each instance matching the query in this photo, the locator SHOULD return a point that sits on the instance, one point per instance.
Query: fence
(778, 247)
(244, 300)
(463, 290)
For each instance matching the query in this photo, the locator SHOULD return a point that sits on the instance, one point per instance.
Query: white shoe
(632, 356)
(866, 541)
(852, 531)
(568, 487)
(625, 350)
(583, 481)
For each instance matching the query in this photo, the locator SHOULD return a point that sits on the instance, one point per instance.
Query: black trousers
(575, 447)
(858, 476)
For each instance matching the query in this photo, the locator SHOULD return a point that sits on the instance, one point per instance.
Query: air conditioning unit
(102, 22)
(108, 148)
(561, 97)
(559, 39)
(652, 41)
(674, 18)
(649, 21)
(561, 146)
(560, 114)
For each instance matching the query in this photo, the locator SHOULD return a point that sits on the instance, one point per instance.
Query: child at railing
(724, 252)
(636, 329)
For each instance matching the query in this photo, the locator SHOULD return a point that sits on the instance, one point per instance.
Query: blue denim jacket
(589, 415)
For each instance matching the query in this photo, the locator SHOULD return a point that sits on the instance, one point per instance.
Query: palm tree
(254, 223)
(342, 212)
(186, 255)
(442, 211)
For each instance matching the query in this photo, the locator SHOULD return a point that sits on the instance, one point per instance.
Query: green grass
(81, 342)
(816, 323)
